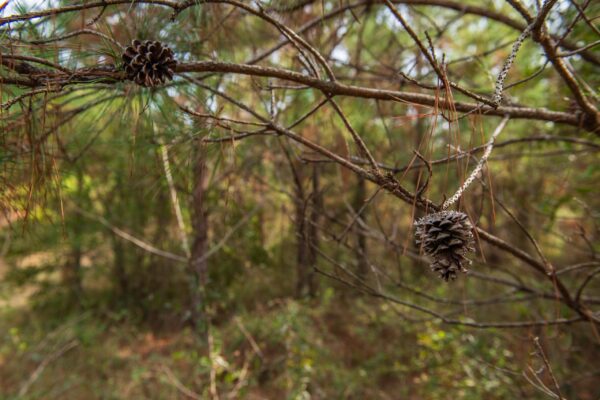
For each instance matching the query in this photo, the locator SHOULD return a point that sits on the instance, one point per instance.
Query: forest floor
(285, 349)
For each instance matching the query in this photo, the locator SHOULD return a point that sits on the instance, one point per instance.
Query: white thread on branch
(496, 99)
(478, 167)
(542, 14)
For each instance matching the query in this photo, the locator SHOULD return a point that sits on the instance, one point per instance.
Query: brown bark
(72, 267)
(198, 265)
(119, 271)
(360, 198)
(306, 223)
(313, 231)
(302, 250)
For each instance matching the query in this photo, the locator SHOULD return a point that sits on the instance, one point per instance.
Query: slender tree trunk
(361, 239)
(306, 222)
(198, 265)
(308, 213)
(119, 271)
(302, 247)
(304, 254)
(313, 231)
(72, 267)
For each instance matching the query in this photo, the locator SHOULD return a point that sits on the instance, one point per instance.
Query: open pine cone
(148, 63)
(446, 237)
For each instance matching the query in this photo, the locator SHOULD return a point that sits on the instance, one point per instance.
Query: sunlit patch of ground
(20, 298)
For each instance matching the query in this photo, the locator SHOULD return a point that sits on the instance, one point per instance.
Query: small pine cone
(446, 237)
(148, 63)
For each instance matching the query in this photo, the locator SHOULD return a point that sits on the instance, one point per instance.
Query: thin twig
(542, 354)
(478, 167)
(138, 242)
(174, 198)
(38, 371)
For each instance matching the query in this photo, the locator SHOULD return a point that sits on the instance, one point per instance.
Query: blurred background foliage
(86, 313)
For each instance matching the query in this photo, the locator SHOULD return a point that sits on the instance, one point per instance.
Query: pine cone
(446, 237)
(148, 63)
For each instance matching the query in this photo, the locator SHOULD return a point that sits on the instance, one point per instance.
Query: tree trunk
(302, 247)
(361, 239)
(313, 230)
(306, 227)
(308, 210)
(116, 212)
(198, 265)
(119, 271)
(72, 267)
